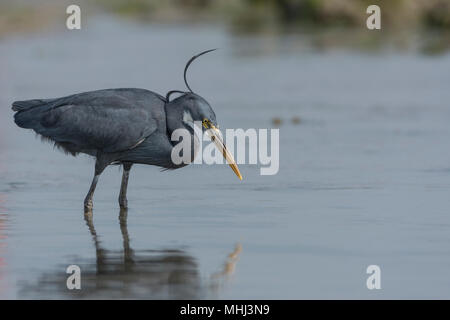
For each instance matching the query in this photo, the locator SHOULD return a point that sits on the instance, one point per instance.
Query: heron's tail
(27, 104)
(28, 113)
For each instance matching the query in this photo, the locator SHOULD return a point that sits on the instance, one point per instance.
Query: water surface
(364, 178)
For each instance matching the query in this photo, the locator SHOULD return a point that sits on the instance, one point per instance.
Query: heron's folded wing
(110, 120)
(97, 127)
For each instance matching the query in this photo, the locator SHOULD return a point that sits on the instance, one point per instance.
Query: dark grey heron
(121, 126)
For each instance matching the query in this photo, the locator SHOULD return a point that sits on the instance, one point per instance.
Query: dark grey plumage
(116, 126)
(124, 125)
(111, 120)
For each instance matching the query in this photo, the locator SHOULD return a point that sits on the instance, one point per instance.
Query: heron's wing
(111, 120)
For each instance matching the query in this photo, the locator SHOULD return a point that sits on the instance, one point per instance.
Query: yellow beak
(216, 137)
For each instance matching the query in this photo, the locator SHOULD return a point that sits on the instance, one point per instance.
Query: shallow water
(364, 178)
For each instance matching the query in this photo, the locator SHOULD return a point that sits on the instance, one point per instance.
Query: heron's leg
(88, 205)
(123, 202)
(99, 167)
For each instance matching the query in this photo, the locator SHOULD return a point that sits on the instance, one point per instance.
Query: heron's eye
(206, 123)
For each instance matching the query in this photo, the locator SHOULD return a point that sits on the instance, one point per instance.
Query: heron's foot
(123, 203)
(88, 205)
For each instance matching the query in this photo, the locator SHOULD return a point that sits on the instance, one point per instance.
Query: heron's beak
(216, 137)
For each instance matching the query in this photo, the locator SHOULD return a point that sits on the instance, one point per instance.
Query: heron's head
(190, 110)
(194, 109)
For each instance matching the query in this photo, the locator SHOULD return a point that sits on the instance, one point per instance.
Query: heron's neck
(174, 116)
(176, 119)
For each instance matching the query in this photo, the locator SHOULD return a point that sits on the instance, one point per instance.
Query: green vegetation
(331, 22)
(323, 13)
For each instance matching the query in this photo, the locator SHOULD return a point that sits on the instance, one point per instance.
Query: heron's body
(119, 126)
(122, 125)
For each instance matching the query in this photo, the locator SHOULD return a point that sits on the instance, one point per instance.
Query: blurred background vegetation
(402, 20)
(267, 13)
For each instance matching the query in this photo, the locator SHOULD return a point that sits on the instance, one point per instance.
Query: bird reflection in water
(134, 274)
(218, 279)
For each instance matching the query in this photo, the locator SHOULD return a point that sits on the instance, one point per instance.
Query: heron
(122, 126)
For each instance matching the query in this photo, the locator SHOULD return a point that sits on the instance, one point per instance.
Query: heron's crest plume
(185, 73)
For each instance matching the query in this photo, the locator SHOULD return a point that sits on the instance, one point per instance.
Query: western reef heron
(121, 126)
